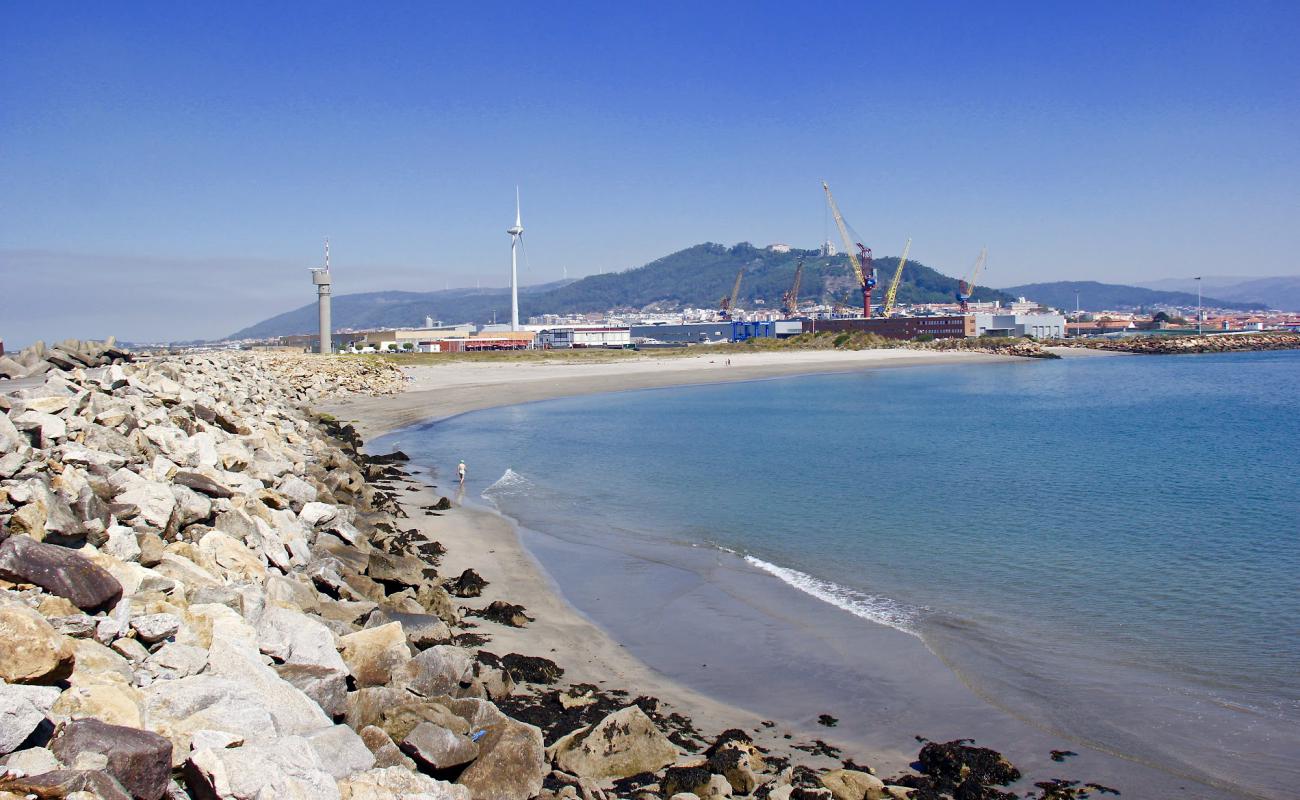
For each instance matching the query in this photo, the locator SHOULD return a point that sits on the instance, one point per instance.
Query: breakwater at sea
(1169, 344)
(209, 591)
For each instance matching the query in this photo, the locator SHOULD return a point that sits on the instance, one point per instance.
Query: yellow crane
(966, 288)
(861, 261)
(892, 294)
(727, 304)
(790, 300)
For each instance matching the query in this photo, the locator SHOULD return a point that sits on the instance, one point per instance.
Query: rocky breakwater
(1213, 343)
(208, 592)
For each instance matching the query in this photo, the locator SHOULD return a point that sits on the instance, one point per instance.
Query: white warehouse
(563, 338)
(1039, 326)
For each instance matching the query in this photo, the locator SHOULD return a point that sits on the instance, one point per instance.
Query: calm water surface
(1109, 547)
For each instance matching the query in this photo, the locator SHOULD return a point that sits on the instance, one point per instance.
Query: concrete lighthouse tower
(320, 276)
(516, 238)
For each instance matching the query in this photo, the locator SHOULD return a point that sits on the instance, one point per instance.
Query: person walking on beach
(460, 471)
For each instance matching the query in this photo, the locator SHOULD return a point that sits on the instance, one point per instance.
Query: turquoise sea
(1107, 548)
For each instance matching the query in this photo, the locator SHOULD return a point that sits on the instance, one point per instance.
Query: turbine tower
(321, 277)
(516, 238)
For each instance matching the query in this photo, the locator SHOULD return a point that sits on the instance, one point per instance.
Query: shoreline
(1025, 744)
(436, 392)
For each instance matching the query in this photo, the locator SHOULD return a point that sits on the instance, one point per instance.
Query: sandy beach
(439, 391)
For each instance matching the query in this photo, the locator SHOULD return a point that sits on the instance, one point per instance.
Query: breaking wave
(510, 484)
(871, 607)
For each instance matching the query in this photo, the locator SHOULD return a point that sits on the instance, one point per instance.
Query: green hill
(1095, 296)
(696, 277)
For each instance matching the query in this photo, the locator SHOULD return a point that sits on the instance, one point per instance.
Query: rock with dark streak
(58, 570)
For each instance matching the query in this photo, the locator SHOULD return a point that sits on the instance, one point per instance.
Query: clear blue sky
(170, 168)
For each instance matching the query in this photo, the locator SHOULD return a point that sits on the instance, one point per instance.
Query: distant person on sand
(460, 472)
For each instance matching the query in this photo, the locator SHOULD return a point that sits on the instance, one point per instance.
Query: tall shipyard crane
(892, 294)
(790, 299)
(965, 288)
(861, 261)
(728, 303)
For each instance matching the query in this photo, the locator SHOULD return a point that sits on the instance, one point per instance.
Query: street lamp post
(1199, 314)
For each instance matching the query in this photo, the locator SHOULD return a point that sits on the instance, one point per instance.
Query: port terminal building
(714, 332)
(957, 326)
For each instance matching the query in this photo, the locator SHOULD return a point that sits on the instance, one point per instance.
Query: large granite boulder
(398, 783)
(622, 744)
(58, 570)
(141, 761)
(852, 784)
(374, 655)
(511, 763)
(287, 767)
(341, 750)
(438, 748)
(22, 710)
(33, 651)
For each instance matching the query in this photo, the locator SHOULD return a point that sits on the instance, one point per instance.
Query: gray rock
(130, 649)
(151, 628)
(10, 438)
(399, 783)
(384, 749)
(139, 760)
(175, 660)
(191, 506)
(48, 428)
(234, 654)
(341, 750)
(438, 748)
(327, 687)
(283, 768)
(422, 630)
(78, 626)
(32, 761)
(201, 484)
(151, 503)
(315, 513)
(298, 491)
(443, 669)
(22, 710)
(178, 708)
(123, 544)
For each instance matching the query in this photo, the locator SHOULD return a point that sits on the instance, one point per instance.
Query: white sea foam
(872, 607)
(510, 483)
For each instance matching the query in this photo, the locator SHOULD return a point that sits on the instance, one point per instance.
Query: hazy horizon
(171, 174)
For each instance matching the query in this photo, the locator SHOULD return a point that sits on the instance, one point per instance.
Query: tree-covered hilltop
(1095, 296)
(698, 277)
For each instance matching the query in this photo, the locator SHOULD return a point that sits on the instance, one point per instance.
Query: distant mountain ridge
(1281, 292)
(1094, 296)
(697, 276)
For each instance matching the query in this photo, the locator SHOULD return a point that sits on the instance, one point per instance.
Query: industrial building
(579, 337)
(408, 338)
(950, 327)
(503, 340)
(1039, 326)
(721, 331)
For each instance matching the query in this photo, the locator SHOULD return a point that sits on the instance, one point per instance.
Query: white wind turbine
(516, 239)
